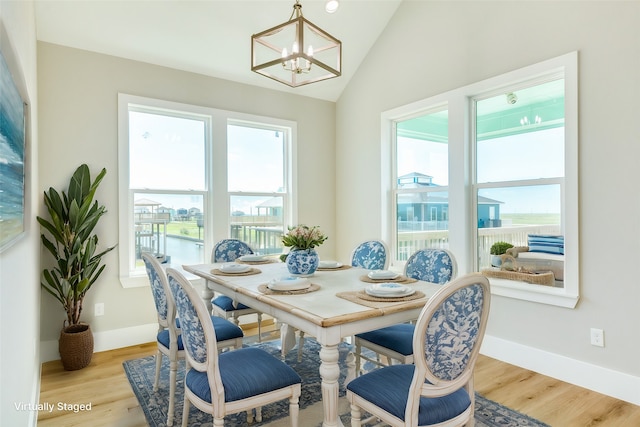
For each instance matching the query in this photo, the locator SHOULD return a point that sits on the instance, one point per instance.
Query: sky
(168, 153)
(523, 156)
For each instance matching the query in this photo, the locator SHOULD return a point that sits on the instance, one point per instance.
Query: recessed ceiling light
(331, 6)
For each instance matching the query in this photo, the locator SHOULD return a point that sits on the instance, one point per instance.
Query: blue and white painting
(12, 147)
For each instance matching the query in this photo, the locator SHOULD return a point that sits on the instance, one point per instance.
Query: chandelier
(296, 52)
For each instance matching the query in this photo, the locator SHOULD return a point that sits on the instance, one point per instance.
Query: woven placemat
(265, 290)
(362, 298)
(399, 279)
(342, 267)
(249, 272)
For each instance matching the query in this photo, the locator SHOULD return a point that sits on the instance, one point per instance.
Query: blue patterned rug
(141, 372)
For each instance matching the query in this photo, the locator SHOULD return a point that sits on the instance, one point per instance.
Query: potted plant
(303, 259)
(74, 247)
(497, 250)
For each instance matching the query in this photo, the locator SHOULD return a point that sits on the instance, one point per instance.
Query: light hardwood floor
(113, 404)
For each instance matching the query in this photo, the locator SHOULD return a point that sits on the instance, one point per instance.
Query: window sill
(560, 297)
(134, 281)
(141, 280)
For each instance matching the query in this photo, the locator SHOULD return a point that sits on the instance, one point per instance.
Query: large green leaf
(80, 184)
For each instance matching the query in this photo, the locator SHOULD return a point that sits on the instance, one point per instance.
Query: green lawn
(184, 228)
(532, 219)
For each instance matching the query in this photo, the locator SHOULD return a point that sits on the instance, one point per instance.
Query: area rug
(141, 373)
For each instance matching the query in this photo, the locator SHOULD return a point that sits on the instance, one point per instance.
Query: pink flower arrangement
(303, 237)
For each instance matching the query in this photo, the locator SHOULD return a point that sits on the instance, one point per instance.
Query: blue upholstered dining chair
(371, 255)
(394, 342)
(169, 336)
(229, 382)
(228, 250)
(438, 388)
(431, 265)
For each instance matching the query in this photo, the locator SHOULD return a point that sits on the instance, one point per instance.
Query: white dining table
(320, 313)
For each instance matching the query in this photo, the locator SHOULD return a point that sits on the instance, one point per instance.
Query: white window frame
(395, 191)
(462, 226)
(216, 194)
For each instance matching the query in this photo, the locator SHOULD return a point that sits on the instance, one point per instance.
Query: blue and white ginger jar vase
(302, 262)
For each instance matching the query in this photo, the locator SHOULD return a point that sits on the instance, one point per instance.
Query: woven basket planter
(76, 346)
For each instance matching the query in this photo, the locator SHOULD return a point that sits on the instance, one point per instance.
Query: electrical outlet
(597, 337)
(99, 309)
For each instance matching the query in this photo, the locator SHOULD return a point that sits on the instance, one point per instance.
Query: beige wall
(78, 124)
(432, 47)
(429, 47)
(19, 264)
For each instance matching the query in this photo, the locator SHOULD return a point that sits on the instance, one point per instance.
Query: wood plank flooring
(104, 384)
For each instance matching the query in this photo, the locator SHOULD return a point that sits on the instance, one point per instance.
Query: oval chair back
(372, 255)
(159, 289)
(437, 389)
(432, 265)
(228, 250)
(447, 340)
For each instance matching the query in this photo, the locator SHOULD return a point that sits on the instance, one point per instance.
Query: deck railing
(264, 235)
(409, 242)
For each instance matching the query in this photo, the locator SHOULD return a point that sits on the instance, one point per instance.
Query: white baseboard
(602, 380)
(108, 340)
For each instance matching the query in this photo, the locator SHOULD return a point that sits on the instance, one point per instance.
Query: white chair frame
(172, 351)
(234, 315)
(390, 355)
(218, 407)
(425, 382)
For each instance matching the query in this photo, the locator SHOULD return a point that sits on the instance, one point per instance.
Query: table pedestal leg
(351, 368)
(207, 294)
(330, 373)
(287, 338)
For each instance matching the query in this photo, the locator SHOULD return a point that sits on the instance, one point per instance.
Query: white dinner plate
(252, 257)
(389, 290)
(329, 264)
(289, 283)
(382, 274)
(235, 268)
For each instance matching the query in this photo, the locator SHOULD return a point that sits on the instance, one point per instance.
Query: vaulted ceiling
(210, 37)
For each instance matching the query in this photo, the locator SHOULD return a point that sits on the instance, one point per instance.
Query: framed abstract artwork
(12, 161)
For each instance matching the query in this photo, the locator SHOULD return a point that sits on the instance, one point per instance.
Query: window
(256, 185)
(519, 163)
(190, 176)
(421, 183)
(509, 148)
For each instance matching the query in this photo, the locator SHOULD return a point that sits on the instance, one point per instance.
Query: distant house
(194, 213)
(489, 212)
(164, 210)
(182, 214)
(270, 207)
(430, 211)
